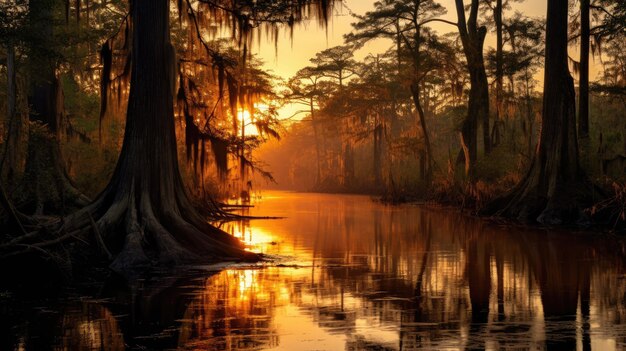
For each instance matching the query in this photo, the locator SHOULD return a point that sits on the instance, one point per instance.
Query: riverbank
(607, 215)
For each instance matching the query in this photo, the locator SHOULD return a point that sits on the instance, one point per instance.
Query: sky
(309, 38)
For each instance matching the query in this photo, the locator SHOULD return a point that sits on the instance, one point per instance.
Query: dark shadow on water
(144, 315)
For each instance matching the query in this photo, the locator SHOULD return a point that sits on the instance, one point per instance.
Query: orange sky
(309, 38)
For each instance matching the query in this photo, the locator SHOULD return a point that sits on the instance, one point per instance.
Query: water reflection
(351, 274)
(77, 326)
(408, 278)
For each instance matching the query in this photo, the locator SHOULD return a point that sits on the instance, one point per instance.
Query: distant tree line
(441, 116)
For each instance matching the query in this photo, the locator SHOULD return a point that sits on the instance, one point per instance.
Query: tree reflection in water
(351, 274)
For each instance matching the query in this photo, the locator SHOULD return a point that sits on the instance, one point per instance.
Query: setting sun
(244, 116)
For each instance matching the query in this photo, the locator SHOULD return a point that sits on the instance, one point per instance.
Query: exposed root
(131, 233)
(132, 229)
(566, 204)
(132, 254)
(170, 251)
(14, 218)
(96, 233)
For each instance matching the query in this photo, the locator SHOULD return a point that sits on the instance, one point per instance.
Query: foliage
(614, 18)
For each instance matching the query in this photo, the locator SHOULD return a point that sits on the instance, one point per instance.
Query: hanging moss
(220, 152)
(244, 19)
(106, 58)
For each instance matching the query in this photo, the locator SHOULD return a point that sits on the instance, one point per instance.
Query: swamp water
(348, 273)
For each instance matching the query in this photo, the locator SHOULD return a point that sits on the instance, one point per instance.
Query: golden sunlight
(255, 238)
(245, 117)
(248, 119)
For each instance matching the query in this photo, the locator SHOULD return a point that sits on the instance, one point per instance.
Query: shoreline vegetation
(604, 218)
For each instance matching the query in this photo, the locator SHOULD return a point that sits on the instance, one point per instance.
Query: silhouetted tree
(306, 88)
(555, 190)
(405, 21)
(338, 64)
(583, 98)
(144, 215)
(12, 23)
(473, 38)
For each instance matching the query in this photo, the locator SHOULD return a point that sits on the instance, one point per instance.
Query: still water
(347, 273)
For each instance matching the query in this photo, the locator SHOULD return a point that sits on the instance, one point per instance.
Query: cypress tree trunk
(377, 166)
(481, 97)
(499, 72)
(555, 190)
(10, 159)
(348, 165)
(11, 86)
(144, 212)
(45, 185)
(473, 39)
(318, 154)
(583, 99)
(426, 174)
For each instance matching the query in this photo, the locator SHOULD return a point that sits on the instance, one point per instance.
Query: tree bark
(473, 39)
(10, 160)
(555, 190)
(583, 99)
(530, 118)
(499, 72)
(348, 165)
(318, 156)
(415, 93)
(377, 166)
(427, 175)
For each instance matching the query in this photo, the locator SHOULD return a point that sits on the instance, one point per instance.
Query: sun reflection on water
(379, 278)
